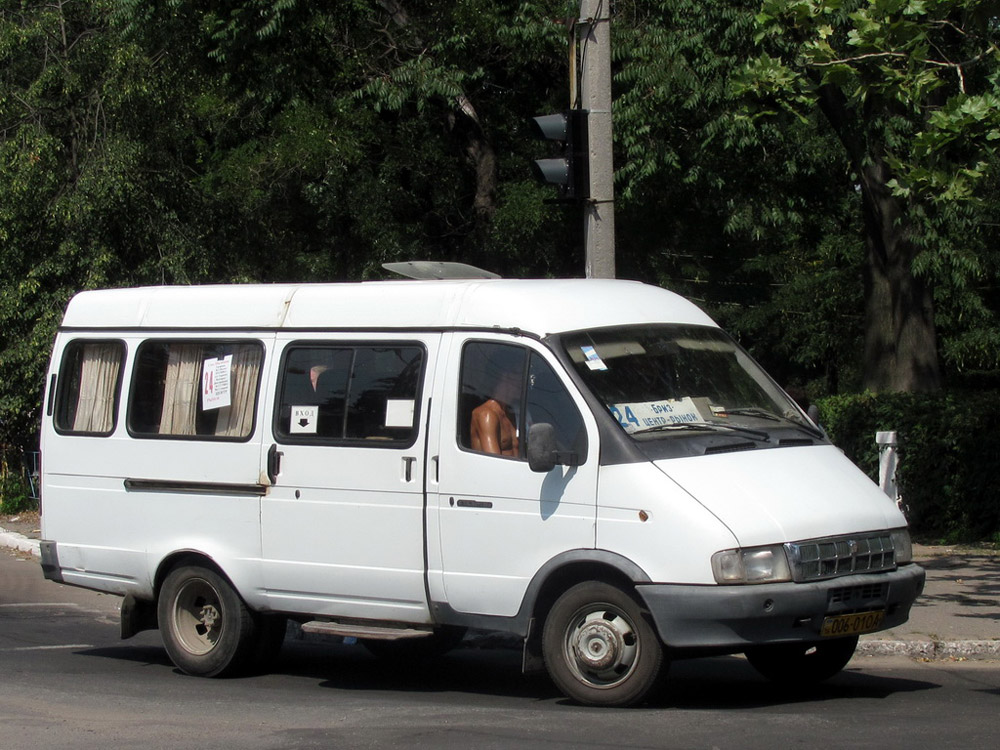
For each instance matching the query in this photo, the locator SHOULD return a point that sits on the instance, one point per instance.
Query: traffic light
(570, 171)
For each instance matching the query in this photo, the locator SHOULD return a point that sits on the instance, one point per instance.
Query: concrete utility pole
(594, 49)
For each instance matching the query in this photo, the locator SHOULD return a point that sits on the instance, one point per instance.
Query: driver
(494, 422)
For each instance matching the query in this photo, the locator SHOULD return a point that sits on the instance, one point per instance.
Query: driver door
(498, 521)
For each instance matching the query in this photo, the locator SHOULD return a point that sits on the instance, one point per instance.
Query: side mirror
(543, 453)
(542, 447)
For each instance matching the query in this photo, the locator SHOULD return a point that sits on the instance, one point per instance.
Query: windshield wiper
(709, 427)
(751, 411)
(808, 427)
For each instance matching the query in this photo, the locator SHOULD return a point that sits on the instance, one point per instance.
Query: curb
(930, 649)
(20, 542)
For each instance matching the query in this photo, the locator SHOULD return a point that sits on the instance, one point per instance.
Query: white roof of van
(538, 306)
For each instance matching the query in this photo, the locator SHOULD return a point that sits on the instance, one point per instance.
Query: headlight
(902, 546)
(752, 565)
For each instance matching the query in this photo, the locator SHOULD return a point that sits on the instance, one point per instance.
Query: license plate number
(854, 624)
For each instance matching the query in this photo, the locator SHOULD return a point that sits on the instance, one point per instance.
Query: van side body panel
(646, 517)
(118, 505)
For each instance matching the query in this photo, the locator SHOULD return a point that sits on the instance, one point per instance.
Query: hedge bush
(15, 488)
(949, 450)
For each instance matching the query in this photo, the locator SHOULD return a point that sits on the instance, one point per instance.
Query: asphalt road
(67, 681)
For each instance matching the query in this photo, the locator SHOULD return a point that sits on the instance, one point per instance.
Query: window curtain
(95, 407)
(236, 420)
(181, 389)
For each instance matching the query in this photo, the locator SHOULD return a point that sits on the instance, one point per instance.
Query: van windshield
(661, 380)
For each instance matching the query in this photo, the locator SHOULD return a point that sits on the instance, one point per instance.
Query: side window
(490, 410)
(195, 389)
(504, 390)
(549, 401)
(89, 386)
(353, 392)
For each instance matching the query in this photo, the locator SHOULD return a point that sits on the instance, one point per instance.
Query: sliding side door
(342, 526)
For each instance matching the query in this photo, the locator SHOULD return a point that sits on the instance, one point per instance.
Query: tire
(207, 630)
(443, 640)
(802, 663)
(599, 647)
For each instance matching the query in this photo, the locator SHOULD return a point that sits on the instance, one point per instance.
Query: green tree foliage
(353, 133)
(85, 196)
(179, 141)
(946, 444)
(750, 195)
(909, 89)
(723, 207)
(191, 141)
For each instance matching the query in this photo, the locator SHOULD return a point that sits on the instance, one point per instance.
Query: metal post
(595, 93)
(887, 461)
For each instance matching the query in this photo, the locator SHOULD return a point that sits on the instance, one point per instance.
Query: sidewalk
(20, 532)
(957, 617)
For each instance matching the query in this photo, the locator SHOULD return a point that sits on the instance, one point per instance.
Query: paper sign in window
(303, 420)
(215, 391)
(636, 416)
(399, 412)
(593, 359)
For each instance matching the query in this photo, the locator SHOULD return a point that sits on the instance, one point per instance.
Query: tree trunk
(900, 340)
(900, 349)
(477, 146)
(483, 159)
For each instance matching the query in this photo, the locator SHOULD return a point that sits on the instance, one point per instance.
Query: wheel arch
(549, 581)
(573, 567)
(184, 557)
(560, 574)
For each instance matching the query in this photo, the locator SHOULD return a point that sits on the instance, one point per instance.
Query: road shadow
(695, 684)
(465, 670)
(707, 683)
(729, 682)
(147, 655)
(968, 585)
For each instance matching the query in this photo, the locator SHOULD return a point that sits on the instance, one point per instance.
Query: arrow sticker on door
(303, 420)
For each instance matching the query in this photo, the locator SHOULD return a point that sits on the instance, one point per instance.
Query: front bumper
(735, 617)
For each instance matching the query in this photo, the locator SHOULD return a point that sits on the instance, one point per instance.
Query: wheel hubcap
(209, 616)
(198, 616)
(602, 647)
(597, 646)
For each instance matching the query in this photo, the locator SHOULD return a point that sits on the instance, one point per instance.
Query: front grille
(856, 595)
(817, 559)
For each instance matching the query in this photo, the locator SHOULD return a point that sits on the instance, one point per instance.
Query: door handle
(273, 463)
(470, 503)
(408, 462)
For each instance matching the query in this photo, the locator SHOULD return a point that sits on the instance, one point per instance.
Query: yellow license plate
(855, 624)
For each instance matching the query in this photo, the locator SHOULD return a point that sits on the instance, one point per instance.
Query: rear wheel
(207, 630)
(599, 647)
(802, 663)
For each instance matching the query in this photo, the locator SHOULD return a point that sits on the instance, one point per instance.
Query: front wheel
(207, 630)
(802, 663)
(599, 648)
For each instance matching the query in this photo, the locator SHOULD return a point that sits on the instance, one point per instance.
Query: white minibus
(593, 466)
